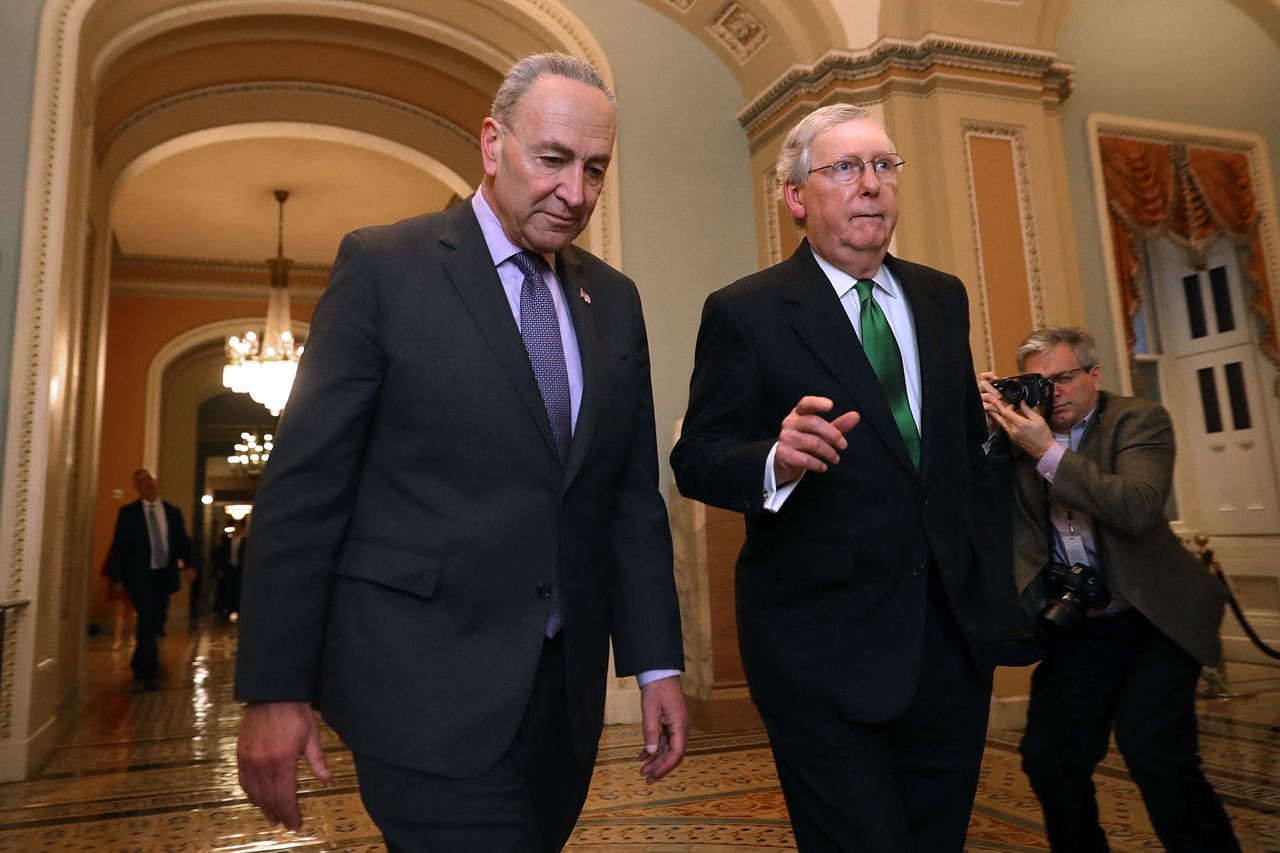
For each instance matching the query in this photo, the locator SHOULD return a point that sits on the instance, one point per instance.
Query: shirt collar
(842, 282)
(1077, 430)
(500, 246)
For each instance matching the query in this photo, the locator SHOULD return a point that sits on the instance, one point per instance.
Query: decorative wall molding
(917, 66)
(741, 32)
(1017, 137)
(210, 278)
(773, 224)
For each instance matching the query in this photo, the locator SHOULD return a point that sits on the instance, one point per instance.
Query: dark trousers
(527, 803)
(150, 597)
(1120, 670)
(895, 787)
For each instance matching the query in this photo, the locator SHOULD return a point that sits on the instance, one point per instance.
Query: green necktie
(882, 351)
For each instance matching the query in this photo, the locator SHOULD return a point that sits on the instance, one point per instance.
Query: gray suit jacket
(1121, 475)
(415, 515)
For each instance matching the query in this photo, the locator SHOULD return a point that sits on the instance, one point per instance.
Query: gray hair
(794, 160)
(1041, 341)
(525, 73)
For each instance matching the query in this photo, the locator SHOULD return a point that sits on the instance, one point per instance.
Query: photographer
(1127, 614)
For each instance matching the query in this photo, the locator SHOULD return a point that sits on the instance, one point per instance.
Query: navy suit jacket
(414, 516)
(130, 558)
(831, 590)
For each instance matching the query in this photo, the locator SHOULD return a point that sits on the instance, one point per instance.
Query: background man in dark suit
(1092, 482)
(228, 560)
(865, 616)
(149, 548)
(462, 507)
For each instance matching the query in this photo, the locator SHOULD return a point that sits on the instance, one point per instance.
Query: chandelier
(250, 456)
(264, 367)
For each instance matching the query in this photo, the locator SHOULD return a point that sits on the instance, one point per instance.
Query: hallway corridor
(156, 772)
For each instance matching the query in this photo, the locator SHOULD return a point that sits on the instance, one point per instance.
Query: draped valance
(1194, 196)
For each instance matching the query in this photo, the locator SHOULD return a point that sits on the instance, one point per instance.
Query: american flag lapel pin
(586, 297)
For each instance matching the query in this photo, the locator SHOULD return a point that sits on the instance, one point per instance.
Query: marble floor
(156, 772)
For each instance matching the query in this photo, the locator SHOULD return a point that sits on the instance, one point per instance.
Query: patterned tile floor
(156, 772)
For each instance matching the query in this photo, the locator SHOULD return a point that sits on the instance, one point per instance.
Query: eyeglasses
(885, 167)
(1065, 376)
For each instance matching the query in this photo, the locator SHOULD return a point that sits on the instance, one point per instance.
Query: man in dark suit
(1092, 482)
(148, 551)
(866, 618)
(228, 558)
(462, 507)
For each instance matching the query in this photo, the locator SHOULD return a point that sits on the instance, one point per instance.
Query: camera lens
(1012, 391)
(1064, 611)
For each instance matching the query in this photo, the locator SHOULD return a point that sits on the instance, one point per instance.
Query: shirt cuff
(651, 675)
(1047, 467)
(774, 495)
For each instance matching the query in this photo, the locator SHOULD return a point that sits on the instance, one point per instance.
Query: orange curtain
(1193, 196)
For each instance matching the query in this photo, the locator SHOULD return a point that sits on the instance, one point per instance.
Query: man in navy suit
(148, 551)
(833, 402)
(461, 509)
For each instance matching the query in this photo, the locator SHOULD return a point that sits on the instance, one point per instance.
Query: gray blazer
(1121, 476)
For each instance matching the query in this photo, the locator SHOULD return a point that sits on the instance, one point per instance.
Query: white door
(1215, 394)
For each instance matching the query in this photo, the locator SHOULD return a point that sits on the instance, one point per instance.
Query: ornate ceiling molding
(915, 67)
(209, 278)
(740, 31)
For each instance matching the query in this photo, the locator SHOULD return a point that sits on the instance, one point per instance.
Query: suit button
(917, 571)
(543, 591)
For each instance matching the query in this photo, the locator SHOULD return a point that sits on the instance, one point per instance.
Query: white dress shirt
(893, 302)
(501, 250)
(162, 523)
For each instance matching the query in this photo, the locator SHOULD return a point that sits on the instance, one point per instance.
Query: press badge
(1073, 544)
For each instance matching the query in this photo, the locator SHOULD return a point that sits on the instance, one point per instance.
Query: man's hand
(666, 726)
(1025, 426)
(272, 736)
(991, 399)
(808, 441)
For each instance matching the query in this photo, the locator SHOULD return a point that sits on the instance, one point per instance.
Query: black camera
(1073, 590)
(1031, 387)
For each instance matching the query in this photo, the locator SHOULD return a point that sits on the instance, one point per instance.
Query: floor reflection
(155, 771)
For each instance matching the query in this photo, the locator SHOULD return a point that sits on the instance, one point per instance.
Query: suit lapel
(821, 322)
(574, 285)
(470, 268)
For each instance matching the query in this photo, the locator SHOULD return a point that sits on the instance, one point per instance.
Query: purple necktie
(541, 332)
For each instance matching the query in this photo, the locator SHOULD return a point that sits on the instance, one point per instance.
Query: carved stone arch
(758, 40)
(328, 114)
(174, 351)
(1264, 13)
